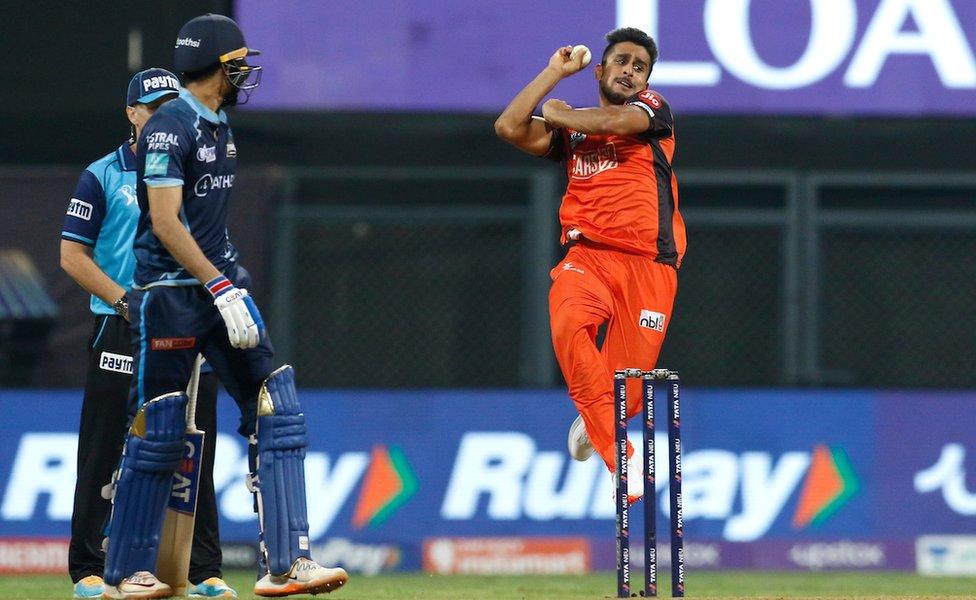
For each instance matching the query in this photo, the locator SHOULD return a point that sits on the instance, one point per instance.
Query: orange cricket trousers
(634, 295)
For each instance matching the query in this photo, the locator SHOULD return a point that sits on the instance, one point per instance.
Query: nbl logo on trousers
(652, 320)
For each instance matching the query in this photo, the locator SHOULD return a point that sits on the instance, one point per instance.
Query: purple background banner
(806, 57)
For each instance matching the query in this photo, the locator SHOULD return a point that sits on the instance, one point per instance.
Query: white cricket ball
(581, 49)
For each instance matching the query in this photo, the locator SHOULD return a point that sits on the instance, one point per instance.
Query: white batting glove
(241, 316)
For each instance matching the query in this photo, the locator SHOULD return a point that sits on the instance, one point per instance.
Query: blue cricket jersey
(185, 144)
(102, 214)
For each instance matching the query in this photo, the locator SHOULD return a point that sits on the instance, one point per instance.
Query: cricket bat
(176, 539)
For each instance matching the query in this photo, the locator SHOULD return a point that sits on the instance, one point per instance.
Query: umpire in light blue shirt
(96, 251)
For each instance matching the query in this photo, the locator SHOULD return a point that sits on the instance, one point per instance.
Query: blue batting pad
(152, 452)
(280, 481)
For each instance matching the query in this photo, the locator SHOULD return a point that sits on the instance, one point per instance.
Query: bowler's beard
(612, 96)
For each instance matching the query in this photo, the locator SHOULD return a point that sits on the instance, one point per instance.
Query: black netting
(726, 328)
(421, 304)
(397, 291)
(897, 307)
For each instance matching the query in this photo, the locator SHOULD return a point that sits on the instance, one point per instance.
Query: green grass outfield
(712, 584)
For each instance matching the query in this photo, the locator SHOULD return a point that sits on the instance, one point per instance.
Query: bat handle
(191, 394)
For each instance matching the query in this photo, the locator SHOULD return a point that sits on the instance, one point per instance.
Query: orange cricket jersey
(622, 191)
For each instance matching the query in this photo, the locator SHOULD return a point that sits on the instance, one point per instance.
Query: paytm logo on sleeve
(79, 208)
(118, 363)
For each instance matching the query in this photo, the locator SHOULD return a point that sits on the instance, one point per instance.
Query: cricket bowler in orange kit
(620, 220)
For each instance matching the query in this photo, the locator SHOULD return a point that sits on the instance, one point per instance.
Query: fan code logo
(173, 343)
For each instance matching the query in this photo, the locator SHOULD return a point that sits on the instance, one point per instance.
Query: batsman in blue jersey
(190, 295)
(96, 251)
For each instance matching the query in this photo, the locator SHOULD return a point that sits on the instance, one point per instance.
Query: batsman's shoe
(578, 443)
(215, 587)
(141, 584)
(89, 587)
(305, 577)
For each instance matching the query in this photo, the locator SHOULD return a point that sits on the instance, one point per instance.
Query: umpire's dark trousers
(104, 415)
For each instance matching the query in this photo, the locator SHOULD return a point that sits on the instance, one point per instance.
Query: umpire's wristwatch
(121, 307)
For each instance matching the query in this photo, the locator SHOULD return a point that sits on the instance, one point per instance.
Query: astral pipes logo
(389, 484)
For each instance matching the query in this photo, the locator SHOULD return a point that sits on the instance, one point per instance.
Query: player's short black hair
(631, 34)
(204, 73)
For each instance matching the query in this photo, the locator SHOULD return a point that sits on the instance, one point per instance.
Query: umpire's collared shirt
(102, 215)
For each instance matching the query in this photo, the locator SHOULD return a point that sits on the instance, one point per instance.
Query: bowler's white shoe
(578, 443)
(141, 584)
(635, 481)
(304, 577)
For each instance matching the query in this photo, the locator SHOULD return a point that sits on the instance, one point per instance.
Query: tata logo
(837, 35)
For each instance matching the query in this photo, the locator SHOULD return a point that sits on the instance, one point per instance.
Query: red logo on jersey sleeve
(651, 98)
